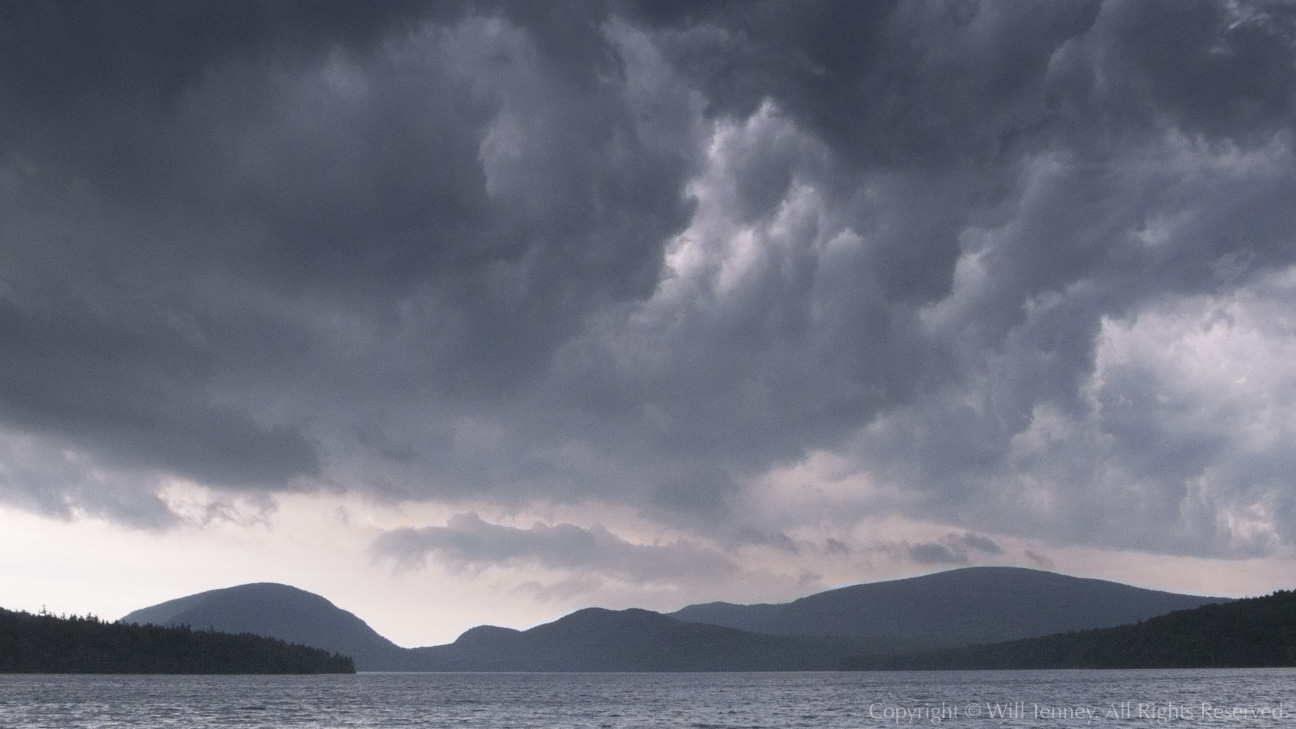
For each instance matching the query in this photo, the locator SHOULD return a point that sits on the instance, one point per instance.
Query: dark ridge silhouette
(286, 613)
(595, 639)
(48, 644)
(957, 607)
(936, 611)
(1250, 633)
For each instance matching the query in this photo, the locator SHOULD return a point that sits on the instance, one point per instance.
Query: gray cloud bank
(467, 542)
(1025, 265)
(954, 549)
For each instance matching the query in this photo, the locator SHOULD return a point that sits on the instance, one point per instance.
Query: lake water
(1190, 698)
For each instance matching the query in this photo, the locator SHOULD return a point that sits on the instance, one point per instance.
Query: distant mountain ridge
(595, 639)
(1248, 633)
(968, 605)
(943, 609)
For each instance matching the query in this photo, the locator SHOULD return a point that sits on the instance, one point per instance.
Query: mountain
(956, 607)
(819, 632)
(286, 613)
(596, 639)
(1253, 632)
(593, 639)
(48, 644)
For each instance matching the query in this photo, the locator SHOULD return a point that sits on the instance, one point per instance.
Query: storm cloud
(954, 549)
(468, 542)
(1026, 268)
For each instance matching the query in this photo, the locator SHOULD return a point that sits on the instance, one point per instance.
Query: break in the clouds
(1023, 269)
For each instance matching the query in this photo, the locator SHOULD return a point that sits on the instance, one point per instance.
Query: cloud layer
(468, 542)
(1023, 268)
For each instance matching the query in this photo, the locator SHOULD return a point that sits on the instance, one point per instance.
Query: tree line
(44, 643)
(1248, 633)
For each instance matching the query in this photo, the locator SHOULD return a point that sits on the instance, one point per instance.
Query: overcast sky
(482, 312)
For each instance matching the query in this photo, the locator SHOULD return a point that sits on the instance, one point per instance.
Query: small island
(46, 643)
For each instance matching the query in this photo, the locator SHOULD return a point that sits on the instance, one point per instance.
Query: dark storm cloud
(954, 549)
(198, 194)
(133, 399)
(56, 483)
(779, 541)
(1038, 560)
(884, 83)
(977, 543)
(646, 254)
(466, 541)
(934, 553)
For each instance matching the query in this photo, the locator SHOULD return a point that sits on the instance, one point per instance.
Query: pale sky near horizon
(481, 312)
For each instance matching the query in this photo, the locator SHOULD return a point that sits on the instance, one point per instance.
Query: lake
(1185, 698)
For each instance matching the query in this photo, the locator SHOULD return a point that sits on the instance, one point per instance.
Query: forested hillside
(955, 607)
(1254, 632)
(49, 644)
